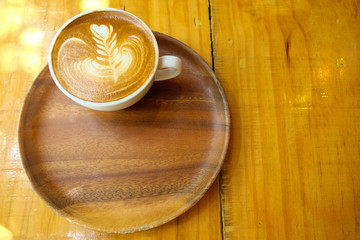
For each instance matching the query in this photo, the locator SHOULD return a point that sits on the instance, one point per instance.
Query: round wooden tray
(132, 169)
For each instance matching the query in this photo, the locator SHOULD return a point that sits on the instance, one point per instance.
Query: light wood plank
(26, 30)
(290, 70)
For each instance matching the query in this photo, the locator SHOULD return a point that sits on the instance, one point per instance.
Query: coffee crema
(104, 56)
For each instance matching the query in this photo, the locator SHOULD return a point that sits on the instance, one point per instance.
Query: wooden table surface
(290, 70)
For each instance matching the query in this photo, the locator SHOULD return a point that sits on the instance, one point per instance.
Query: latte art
(104, 61)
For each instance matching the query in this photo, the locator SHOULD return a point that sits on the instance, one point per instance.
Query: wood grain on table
(291, 73)
(24, 47)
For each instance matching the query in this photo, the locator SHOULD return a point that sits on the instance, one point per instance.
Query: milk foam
(105, 62)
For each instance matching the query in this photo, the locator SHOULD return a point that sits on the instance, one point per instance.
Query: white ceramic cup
(167, 67)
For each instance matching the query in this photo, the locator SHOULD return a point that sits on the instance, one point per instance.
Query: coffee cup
(107, 59)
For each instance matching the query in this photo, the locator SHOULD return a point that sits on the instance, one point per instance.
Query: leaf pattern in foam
(108, 50)
(114, 61)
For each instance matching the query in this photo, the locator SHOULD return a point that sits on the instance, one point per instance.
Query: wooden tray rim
(169, 217)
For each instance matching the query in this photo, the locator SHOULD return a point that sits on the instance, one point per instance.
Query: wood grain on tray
(131, 169)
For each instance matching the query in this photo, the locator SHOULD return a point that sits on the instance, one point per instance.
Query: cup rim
(144, 86)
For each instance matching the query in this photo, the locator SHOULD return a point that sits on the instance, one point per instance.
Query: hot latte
(104, 56)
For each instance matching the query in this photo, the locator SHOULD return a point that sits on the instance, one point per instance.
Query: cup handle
(168, 67)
